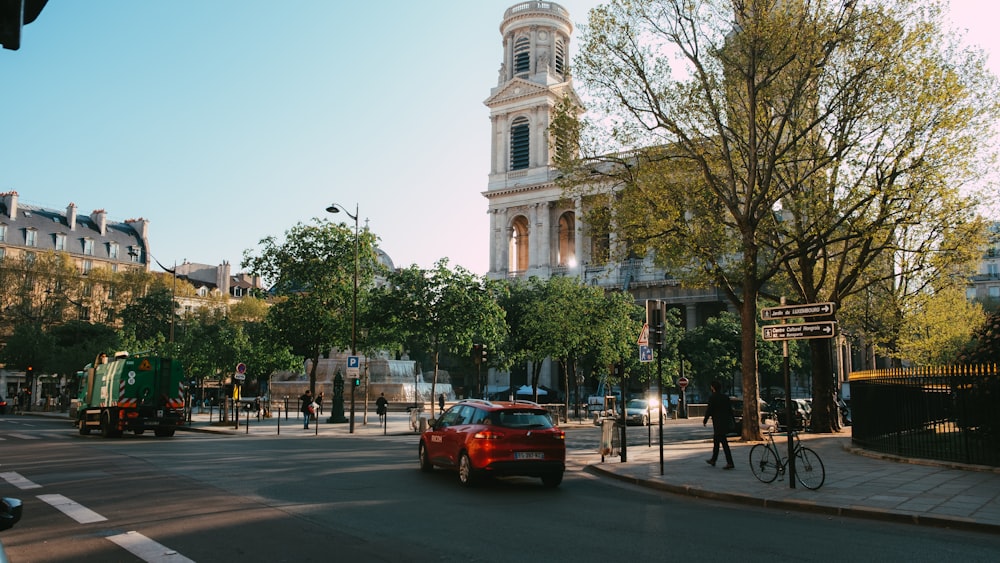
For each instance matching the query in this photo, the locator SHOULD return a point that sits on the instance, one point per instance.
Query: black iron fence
(947, 413)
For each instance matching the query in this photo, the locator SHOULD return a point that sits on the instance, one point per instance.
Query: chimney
(222, 278)
(140, 225)
(10, 200)
(71, 216)
(100, 217)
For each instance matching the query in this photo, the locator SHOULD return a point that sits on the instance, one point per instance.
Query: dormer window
(3, 232)
(88, 246)
(113, 250)
(60, 242)
(30, 237)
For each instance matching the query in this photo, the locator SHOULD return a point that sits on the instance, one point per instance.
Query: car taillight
(488, 435)
(560, 435)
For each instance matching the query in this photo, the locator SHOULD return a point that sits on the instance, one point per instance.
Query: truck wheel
(109, 426)
(84, 429)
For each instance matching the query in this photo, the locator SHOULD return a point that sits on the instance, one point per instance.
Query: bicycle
(766, 463)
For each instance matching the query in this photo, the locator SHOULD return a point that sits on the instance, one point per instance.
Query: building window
(60, 242)
(134, 253)
(3, 253)
(88, 265)
(560, 57)
(993, 270)
(113, 250)
(522, 55)
(30, 237)
(518, 250)
(88, 246)
(519, 143)
(3, 232)
(995, 292)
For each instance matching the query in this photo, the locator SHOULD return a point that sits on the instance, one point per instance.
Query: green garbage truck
(131, 394)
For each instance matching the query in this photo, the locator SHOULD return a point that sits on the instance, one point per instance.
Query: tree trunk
(825, 412)
(748, 361)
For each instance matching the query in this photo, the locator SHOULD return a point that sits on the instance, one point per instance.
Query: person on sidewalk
(306, 399)
(381, 407)
(721, 412)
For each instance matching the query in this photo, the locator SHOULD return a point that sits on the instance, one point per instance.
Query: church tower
(533, 230)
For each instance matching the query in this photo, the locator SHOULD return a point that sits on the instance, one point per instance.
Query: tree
(312, 271)
(985, 346)
(441, 310)
(76, 344)
(941, 325)
(790, 149)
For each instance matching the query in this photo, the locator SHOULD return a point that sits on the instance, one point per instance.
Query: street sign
(799, 331)
(790, 311)
(239, 377)
(682, 382)
(644, 335)
(241, 368)
(645, 354)
(353, 366)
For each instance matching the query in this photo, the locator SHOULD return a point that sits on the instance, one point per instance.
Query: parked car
(643, 412)
(800, 413)
(763, 410)
(3, 405)
(480, 438)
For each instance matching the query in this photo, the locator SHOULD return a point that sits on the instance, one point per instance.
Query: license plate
(529, 455)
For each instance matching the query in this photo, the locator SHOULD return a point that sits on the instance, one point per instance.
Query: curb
(800, 506)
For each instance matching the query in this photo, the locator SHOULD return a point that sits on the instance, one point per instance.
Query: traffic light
(477, 353)
(485, 355)
(15, 14)
(30, 371)
(357, 382)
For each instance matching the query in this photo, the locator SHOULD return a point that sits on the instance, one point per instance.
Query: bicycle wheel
(809, 469)
(764, 463)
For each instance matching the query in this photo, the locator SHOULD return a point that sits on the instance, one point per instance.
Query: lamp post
(337, 208)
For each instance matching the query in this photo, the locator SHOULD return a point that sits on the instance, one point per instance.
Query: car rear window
(521, 418)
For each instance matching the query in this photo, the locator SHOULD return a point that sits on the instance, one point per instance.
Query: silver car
(642, 411)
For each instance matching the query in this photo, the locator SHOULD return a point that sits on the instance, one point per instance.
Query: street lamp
(337, 208)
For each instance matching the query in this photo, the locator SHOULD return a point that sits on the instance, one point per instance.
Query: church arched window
(560, 57)
(518, 245)
(522, 56)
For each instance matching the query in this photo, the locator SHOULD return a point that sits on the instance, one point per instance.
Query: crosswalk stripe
(147, 549)
(74, 510)
(23, 436)
(16, 479)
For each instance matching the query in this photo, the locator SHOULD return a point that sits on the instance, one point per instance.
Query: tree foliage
(795, 146)
(313, 275)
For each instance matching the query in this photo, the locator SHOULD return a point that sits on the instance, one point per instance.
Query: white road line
(74, 510)
(147, 549)
(18, 481)
(24, 436)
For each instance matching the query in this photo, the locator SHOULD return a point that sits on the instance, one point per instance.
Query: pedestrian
(319, 403)
(307, 409)
(721, 413)
(381, 407)
(441, 401)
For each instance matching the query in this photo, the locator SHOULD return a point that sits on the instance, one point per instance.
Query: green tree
(313, 275)
(441, 310)
(985, 345)
(836, 115)
(76, 344)
(942, 325)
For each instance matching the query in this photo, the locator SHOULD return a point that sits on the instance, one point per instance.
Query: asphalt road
(202, 497)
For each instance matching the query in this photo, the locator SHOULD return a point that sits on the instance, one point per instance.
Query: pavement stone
(858, 483)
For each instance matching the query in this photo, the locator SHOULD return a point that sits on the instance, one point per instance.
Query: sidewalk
(858, 483)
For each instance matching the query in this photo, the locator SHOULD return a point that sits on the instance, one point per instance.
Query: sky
(222, 122)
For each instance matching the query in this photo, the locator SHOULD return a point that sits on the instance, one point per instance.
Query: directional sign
(644, 335)
(645, 354)
(799, 331)
(790, 311)
(353, 366)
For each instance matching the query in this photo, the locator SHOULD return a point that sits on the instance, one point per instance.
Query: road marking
(147, 549)
(18, 481)
(23, 436)
(74, 510)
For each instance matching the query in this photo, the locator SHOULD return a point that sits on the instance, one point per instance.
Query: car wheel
(425, 460)
(466, 474)
(645, 421)
(552, 480)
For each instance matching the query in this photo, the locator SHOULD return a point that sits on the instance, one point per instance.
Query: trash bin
(423, 423)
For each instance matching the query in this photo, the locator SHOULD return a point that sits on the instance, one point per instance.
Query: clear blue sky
(225, 121)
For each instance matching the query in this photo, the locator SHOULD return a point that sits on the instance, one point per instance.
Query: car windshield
(521, 419)
(638, 404)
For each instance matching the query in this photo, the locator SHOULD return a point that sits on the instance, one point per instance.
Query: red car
(495, 438)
